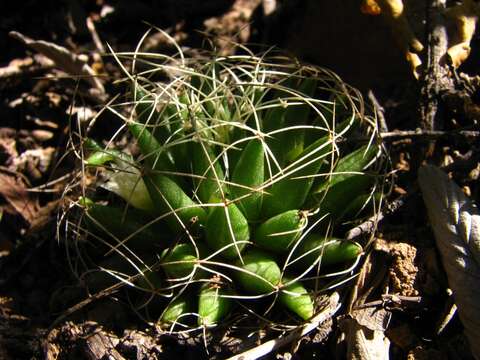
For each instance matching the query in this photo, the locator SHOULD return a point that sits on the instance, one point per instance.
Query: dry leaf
(370, 7)
(34, 162)
(394, 14)
(8, 145)
(16, 195)
(363, 332)
(465, 17)
(456, 224)
(364, 343)
(18, 67)
(373, 318)
(63, 58)
(269, 6)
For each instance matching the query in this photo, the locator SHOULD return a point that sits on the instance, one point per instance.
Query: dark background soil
(36, 282)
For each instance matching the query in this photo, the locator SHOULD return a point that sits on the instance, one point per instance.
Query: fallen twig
(367, 227)
(419, 135)
(428, 134)
(370, 225)
(96, 39)
(390, 299)
(379, 110)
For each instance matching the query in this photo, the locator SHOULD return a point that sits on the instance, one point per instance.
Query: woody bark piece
(99, 346)
(455, 221)
(435, 79)
(63, 59)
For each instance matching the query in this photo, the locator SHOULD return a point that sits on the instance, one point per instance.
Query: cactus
(238, 159)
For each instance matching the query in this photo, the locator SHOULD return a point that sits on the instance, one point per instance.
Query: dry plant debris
(464, 17)
(393, 12)
(456, 224)
(64, 59)
(14, 190)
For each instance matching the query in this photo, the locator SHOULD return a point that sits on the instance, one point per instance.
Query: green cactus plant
(242, 161)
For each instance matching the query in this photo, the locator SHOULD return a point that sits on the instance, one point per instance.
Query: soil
(41, 313)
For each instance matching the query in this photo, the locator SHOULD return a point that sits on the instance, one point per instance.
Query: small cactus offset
(245, 175)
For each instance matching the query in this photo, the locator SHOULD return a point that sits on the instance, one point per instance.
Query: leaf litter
(455, 221)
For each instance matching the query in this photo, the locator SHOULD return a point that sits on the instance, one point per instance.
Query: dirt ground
(401, 301)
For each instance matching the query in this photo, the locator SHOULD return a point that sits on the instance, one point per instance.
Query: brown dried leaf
(14, 190)
(456, 224)
(12, 74)
(372, 276)
(375, 319)
(8, 147)
(364, 343)
(34, 163)
(63, 58)
(465, 17)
